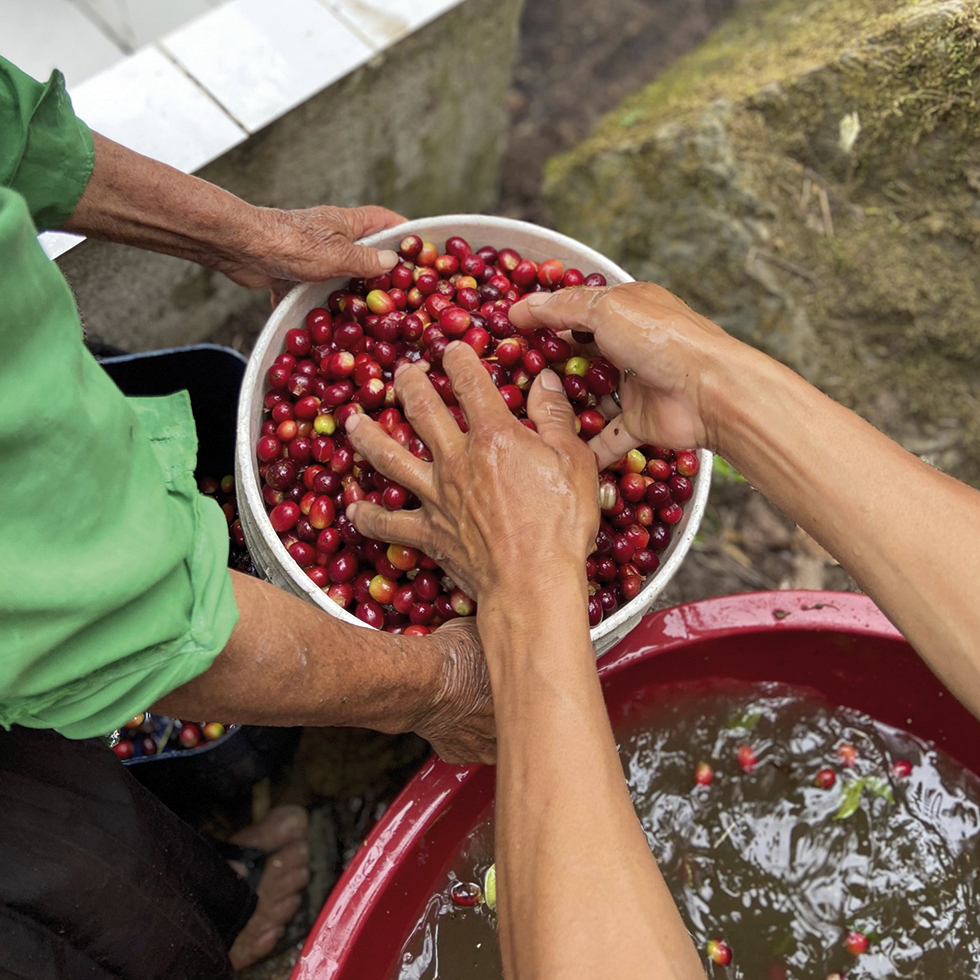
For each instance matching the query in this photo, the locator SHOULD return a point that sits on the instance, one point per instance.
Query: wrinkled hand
(669, 356)
(310, 245)
(499, 503)
(460, 724)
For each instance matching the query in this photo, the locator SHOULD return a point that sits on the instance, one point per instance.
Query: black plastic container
(190, 780)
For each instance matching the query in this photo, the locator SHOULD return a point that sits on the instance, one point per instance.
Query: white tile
(260, 59)
(148, 104)
(56, 243)
(385, 21)
(138, 22)
(40, 35)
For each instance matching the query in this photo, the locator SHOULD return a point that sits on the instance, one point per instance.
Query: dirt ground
(578, 60)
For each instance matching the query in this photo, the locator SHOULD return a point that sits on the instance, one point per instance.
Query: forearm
(288, 663)
(907, 533)
(134, 200)
(580, 893)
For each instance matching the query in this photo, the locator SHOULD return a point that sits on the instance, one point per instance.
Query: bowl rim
(603, 635)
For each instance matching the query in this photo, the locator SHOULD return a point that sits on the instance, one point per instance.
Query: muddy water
(779, 868)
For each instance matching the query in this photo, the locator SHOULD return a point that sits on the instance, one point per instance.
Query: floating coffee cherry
(847, 754)
(746, 758)
(703, 774)
(825, 779)
(856, 943)
(719, 952)
(901, 768)
(466, 894)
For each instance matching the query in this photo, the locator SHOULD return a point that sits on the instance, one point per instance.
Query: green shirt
(114, 588)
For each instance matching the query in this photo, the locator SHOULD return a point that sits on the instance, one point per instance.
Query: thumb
(550, 410)
(614, 441)
(360, 261)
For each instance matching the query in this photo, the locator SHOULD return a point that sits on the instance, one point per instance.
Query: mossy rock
(810, 178)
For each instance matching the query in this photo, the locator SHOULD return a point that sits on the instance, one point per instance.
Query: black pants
(98, 879)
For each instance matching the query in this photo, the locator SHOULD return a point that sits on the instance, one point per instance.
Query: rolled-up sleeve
(46, 151)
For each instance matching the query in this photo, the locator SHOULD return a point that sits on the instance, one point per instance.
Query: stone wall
(810, 178)
(420, 130)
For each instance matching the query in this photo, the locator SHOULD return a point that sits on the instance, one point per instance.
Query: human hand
(501, 504)
(670, 358)
(459, 723)
(309, 245)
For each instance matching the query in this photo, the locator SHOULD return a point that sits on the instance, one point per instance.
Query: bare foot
(282, 834)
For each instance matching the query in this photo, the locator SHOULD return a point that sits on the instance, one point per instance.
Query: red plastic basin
(837, 643)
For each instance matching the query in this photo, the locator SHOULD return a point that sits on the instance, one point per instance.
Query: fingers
(550, 410)
(407, 527)
(361, 261)
(614, 441)
(425, 409)
(368, 220)
(476, 393)
(568, 309)
(609, 407)
(358, 260)
(387, 456)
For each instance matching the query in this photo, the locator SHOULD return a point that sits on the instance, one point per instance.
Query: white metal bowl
(268, 552)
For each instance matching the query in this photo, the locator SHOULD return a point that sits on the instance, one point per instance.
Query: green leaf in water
(747, 720)
(880, 787)
(850, 799)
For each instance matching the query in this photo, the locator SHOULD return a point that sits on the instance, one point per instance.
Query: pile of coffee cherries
(343, 361)
(149, 734)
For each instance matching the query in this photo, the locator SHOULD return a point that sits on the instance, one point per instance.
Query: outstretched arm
(134, 200)
(513, 514)
(907, 533)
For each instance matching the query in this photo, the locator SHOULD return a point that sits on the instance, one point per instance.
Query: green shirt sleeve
(114, 587)
(46, 151)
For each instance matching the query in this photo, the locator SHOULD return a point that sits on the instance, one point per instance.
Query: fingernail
(388, 259)
(550, 381)
(534, 300)
(404, 366)
(452, 346)
(353, 421)
(351, 511)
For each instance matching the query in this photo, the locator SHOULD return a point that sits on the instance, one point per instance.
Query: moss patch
(810, 178)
